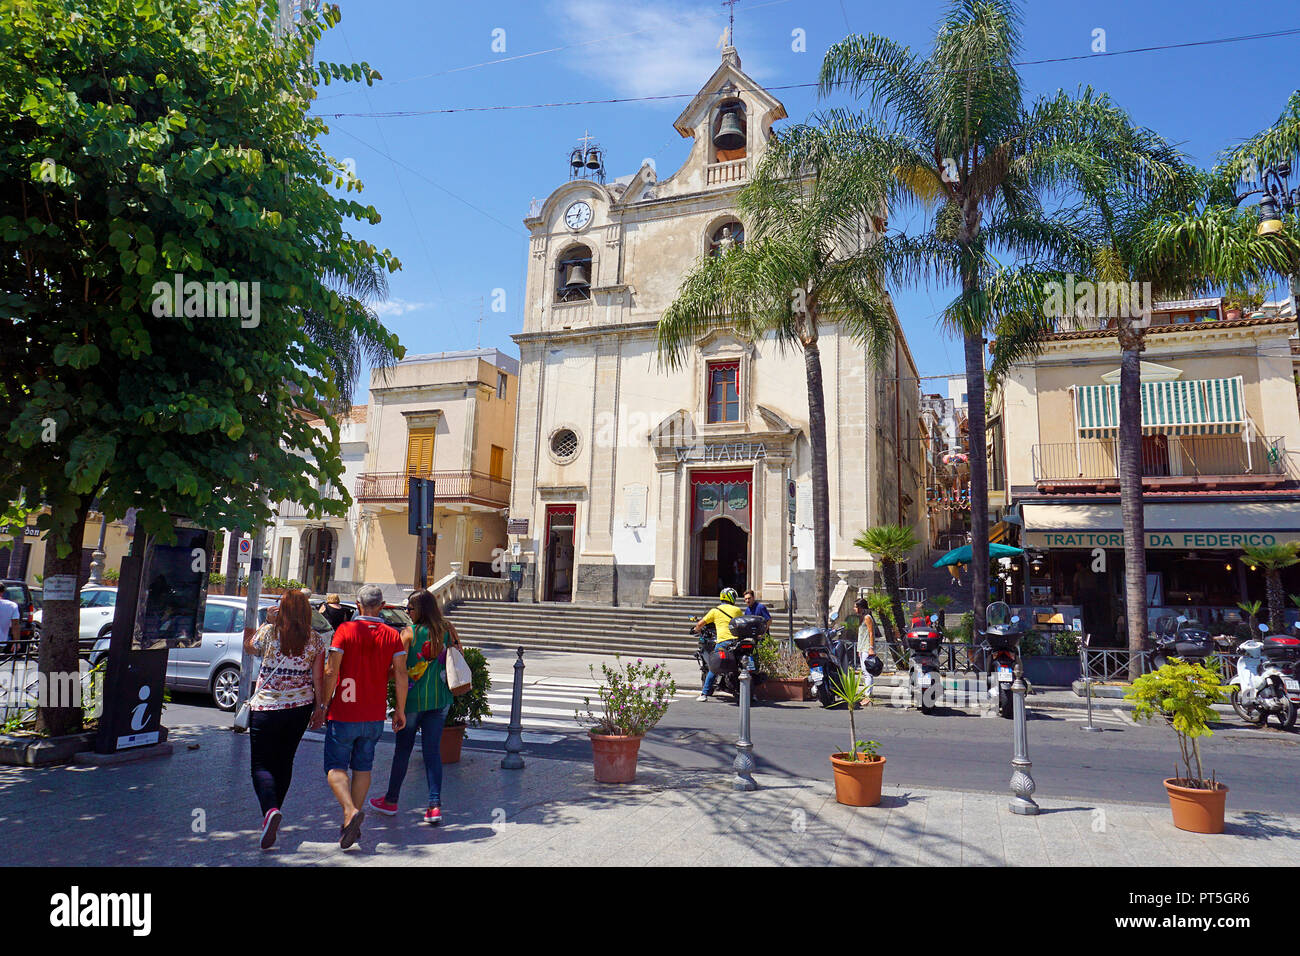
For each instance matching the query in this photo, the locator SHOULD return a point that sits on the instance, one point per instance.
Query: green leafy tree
(141, 140)
(890, 544)
(1184, 695)
(1271, 559)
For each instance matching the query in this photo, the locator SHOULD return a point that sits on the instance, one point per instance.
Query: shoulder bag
(245, 714)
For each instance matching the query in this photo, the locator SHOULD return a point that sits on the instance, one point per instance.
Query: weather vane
(731, 21)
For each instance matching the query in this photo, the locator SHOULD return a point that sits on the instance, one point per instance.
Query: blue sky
(453, 188)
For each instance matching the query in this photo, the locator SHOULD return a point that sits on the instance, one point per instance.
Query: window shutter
(419, 451)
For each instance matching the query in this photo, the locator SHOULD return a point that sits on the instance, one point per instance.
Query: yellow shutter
(497, 466)
(419, 451)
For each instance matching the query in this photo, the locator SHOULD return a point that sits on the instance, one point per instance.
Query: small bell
(577, 276)
(575, 159)
(730, 135)
(593, 158)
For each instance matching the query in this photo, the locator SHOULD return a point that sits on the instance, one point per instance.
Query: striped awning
(1200, 406)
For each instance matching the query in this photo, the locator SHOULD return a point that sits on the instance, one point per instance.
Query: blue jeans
(709, 679)
(429, 723)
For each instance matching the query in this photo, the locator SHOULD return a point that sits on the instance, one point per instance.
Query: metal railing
(1180, 456)
(20, 683)
(1111, 663)
(296, 509)
(472, 486)
(954, 656)
(912, 596)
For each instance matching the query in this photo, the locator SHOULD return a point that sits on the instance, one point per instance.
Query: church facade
(632, 482)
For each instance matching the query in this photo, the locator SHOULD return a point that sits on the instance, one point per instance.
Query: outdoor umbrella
(962, 555)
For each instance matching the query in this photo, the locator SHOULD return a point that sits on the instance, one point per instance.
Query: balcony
(462, 487)
(1168, 461)
(732, 171)
(293, 510)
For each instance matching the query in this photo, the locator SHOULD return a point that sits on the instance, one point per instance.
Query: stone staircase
(660, 630)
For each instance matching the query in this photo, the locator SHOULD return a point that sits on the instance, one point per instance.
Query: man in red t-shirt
(364, 654)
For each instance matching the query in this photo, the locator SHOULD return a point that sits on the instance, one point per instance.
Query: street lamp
(1278, 200)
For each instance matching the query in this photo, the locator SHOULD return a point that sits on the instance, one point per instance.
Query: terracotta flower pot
(782, 688)
(453, 736)
(1234, 314)
(614, 757)
(1200, 811)
(857, 782)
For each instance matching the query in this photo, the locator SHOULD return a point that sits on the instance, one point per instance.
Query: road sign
(245, 550)
(791, 500)
(517, 526)
(419, 505)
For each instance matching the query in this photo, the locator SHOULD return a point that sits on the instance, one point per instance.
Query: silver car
(213, 666)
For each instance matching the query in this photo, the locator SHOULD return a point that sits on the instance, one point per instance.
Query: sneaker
(433, 816)
(381, 805)
(703, 697)
(270, 825)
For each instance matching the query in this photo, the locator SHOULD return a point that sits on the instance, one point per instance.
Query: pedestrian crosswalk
(547, 709)
(1111, 716)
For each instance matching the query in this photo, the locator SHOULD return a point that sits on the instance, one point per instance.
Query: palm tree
(940, 603)
(801, 269)
(1272, 558)
(951, 133)
(890, 544)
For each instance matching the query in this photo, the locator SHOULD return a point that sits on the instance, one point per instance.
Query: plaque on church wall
(634, 506)
(804, 507)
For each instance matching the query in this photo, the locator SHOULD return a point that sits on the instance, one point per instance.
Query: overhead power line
(395, 114)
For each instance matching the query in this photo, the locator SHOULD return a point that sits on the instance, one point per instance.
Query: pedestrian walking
(289, 696)
(866, 639)
(364, 653)
(427, 701)
(335, 612)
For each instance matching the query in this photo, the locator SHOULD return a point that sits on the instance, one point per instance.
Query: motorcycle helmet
(873, 665)
(728, 596)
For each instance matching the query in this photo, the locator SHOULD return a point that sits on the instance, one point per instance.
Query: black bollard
(515, 732)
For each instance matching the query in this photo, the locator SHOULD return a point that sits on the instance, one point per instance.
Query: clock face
(578, 215)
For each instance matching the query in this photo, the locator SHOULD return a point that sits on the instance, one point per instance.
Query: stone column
(671, 479)
(770, 476)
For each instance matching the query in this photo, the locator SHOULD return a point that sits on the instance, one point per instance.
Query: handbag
(244, 716)
(459, 677)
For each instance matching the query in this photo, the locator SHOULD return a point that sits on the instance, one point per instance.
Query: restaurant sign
(1160, 540)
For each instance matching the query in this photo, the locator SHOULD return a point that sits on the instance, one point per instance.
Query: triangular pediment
(727, 78)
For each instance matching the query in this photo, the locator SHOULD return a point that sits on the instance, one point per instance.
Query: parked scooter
(1187, 640)
(1001, 650)
(925, 678)
(725, 659)
(1266, 680)
(828, 655)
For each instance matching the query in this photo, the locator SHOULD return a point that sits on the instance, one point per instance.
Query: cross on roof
(586, 140)
(731, 21)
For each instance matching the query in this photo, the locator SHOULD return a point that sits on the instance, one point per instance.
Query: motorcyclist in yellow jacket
(720, 617)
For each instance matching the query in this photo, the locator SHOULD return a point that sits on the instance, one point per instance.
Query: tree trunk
(59, 661)
(16, 555)
(979, 479)
(820, 483)
(890, 570)
(1130, 494)
(1273, 586)
(232, 563)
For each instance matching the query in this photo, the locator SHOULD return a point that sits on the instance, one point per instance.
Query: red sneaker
(433, 816)
(270, 826)
(381, 805)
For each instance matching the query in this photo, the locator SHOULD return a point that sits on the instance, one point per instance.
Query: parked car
(394, 614)
(213, 666)
(29, 615)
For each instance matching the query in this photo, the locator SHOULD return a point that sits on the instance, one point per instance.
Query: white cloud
(399, 307)
(674, 48)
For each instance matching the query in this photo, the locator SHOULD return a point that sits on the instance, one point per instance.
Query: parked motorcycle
(1187, 640)
(726, 658)
(1266, 681)
(829, 654)
(1001, 649)
(925, 678)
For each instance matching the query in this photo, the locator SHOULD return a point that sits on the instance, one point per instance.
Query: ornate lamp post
(1022, 782)
(1278, 200)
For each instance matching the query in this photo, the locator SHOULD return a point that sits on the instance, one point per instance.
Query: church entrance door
(559, 552)
(722, 551)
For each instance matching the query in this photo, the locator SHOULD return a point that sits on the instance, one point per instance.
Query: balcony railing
(294, 509)
(1096, 460)
(465, 486)
(732, 171)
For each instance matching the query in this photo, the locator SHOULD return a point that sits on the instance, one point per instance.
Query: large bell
(577, 275)
(575, 159)
(593, 158)
(730, 134)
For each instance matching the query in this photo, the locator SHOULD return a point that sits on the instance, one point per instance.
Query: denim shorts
(351, 744)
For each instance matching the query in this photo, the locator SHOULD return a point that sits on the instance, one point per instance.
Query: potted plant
(469, 709)
(859, 771)
(785, 671)
(634, 697)
(1183, 695)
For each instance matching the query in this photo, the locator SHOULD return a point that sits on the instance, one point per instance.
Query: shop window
(724, 392)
